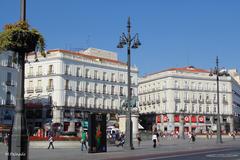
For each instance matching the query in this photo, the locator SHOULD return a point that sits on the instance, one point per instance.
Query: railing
(50, 88)
(9, 83)
(38, 89)
(9, 102)
(30, 90)
(194, 100)
(39, 74)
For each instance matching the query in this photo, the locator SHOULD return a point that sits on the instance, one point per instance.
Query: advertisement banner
(97, 133)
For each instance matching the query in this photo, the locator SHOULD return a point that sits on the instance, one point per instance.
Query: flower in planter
(22, 39)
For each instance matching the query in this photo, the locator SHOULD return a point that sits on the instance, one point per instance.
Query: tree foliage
(21, 38)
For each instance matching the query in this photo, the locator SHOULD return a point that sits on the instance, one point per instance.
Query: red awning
(193, 119)
(158, 119)
(176, 118)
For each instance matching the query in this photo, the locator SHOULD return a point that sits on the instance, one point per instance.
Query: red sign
(158, 119)
(194, 119)
(186, 119)
(201, 119)
(165, 118)
(176, 118)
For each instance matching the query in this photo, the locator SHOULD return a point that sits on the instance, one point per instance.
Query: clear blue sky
(174, 33)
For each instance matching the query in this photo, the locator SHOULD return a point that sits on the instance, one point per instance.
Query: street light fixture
(218, 72)
(131, 43)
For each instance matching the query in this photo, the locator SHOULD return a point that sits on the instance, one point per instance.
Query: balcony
(194, 100)
(9, 102)
(50, 88)
(140, 104)
(30, 90)
(38, 89)
(164, 99)
(201, 101)
(50, 72)
(177, 99)
(208, 101)
(149, 102)
(39, 74)
(153, 102)
(215, 101)
(224, 101)
(186, 100)
(144, 103)
(29, 75)
(158, 101)
(9, 83)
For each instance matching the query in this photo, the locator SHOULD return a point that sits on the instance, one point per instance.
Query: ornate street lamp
(218, 73)
(131, 43)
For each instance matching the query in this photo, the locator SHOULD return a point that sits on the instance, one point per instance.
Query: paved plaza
(70, 150)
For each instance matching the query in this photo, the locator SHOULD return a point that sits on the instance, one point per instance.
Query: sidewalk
(69, 150)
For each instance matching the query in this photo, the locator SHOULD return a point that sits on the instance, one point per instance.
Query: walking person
(50, 140)
(138, 139)
(83, 140)
(154, 139)
(193, 136)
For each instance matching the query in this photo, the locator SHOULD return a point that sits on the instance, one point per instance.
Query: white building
(72, 83)
(8, 88)
(190, 93)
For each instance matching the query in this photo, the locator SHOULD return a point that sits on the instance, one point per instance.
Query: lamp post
(128, 40)
(182, 111)
(18, 149)
(218, 73)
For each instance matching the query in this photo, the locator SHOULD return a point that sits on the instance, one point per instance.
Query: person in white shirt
(154, 139)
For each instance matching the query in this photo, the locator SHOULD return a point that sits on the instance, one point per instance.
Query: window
(50, 69)
(112, 90)
(67, 84)
(39, 72)
(67, 70)
(10, 61)
(9, 78)
(186, 85)
(95, 74)
(215, 109)
(121, 91)
(113, 77)
(95, 88)
(200, 108)
(78, 72)
(104, 76)
(87, 87)
(8, 98)
(207, 108)
(104, 89)
(176, 84)
(39, 83)
(30, 71)
(121, 78)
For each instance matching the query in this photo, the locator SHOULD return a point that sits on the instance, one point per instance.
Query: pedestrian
(190, 136)
(50, 140)
(193, 136)
(5, 139)
(138, 139)
(83, 140)
(154, 139)
(233, 135)
(121, 140)
(207, 134)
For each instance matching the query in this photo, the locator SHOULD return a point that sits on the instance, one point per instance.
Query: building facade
(8, 89)
(65, 86)
(188, 96)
